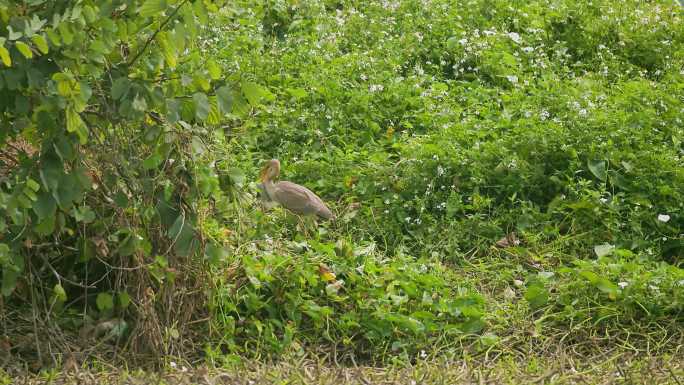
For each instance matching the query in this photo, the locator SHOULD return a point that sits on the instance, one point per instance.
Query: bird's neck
(269, 186)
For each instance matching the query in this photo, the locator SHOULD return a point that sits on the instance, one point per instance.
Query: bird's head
(270, 171)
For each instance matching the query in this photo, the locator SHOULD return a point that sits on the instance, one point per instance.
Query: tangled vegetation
(508, 178)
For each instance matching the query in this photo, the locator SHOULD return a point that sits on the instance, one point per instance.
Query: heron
(296, 198)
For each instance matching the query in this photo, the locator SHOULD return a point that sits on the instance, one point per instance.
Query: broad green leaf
(89, 13)
(603, 250)
(129, 245)
(590, 276)
(201, 81)
(64, 149)
(598, 168)
(9, 281)
(32, 184)
(173, 110)
(200, 12)
(5, 257)
(120, 87)
(12, 266)
(214, 69)
(51, 170)
(124, 299)
(537, 295)
(40, 43)
(152, 161)
(152, 7)
(214, 253)
(5, 56)
(168, 48)
(54, 38)
(183, 234)
(237, 176)
(240, 105)
(68, 191)
(297, 93)
(74, 123)
(13, 35)
(214, 116)
(104, 301)
(608, 287)
(83, 214)
(24, 49)
(59, 293)
(65, 33)
(224, 96)
(44, 206)
(253, 92)
(452, 42)
(202, 106)
(36, 23)
(121, 199)
(473, 325)
(406, 322)
(179, 36)
(140, 103)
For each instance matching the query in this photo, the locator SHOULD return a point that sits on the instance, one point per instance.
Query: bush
(105, 108)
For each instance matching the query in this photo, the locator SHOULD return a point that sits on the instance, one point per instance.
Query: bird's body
(292, 196)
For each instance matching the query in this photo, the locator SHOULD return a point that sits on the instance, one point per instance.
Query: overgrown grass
(435, 129)
(508, 179)
(562, 369)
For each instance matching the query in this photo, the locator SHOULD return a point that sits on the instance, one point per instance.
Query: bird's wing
(300, 199)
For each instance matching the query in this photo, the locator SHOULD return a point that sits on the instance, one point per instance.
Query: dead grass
(561, 369)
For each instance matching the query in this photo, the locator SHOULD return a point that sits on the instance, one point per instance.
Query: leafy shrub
(439, 128)
(622, 290)
(335, 294)
(105, 107)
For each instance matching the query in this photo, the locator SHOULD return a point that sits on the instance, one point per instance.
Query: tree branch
(161, 27)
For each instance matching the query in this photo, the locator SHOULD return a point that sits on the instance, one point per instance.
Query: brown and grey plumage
(292, 196)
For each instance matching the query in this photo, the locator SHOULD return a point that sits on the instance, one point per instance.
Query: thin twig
(60, 277)
(161, 27)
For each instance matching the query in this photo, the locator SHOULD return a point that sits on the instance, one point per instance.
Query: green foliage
(622, 290)
(433, 128)
(354, 298)
(104, 107)
(437, 129)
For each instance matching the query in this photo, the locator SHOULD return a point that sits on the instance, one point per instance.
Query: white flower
(512, 78)
(663, 218)
(623, 284)
(515, 37)
(172, 364)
